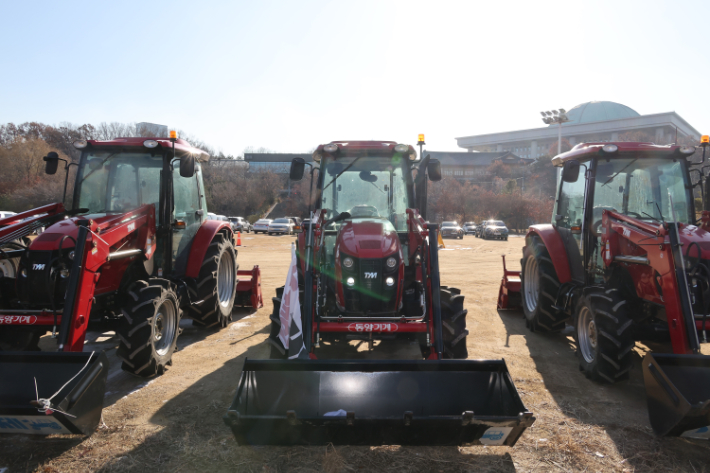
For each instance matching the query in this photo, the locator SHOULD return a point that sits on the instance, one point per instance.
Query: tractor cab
(640, 180)
(118, 176)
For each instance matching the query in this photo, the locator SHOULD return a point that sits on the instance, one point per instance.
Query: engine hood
(368, 238)
(51, 237)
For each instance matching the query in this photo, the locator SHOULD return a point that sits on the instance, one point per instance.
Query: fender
(203, 238)
(553, 242)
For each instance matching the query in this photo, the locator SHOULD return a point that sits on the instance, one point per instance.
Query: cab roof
(586, 151)
(350, 148)
(137, 142)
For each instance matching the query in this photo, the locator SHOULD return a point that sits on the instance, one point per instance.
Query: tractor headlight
(391, 262)
(64, 273)
(389, 281)
(610, 148)
(150, 144)
(80, 144)
(348, 262)
(71, 255)
(330, 148)
(401, 148)
(351, 281)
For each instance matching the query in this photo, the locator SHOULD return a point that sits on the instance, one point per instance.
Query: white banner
(290, 312)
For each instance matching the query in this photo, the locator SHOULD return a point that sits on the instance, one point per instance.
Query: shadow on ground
(619, 409)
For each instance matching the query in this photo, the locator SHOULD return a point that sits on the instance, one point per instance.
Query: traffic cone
(239, 238)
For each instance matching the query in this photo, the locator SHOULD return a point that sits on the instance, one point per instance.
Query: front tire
(603, 334)
(453, 323)
(149, 328)
(216, 284)
(539, 289)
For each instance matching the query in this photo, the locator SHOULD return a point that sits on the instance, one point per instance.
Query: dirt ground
(174, 422)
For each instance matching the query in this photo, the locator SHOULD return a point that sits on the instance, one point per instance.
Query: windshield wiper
(341, 172)
(620, 171)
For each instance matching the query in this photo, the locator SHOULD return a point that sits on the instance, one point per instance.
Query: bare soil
(174, 422)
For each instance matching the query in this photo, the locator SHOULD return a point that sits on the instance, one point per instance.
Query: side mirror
(187, 166)
(52, 160)
(434, 170)
(298, 166)
(570, 171)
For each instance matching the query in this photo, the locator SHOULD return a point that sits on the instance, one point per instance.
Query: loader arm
(650, 254)
(13, 228)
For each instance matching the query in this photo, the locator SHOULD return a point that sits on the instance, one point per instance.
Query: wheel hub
(530, 283)
(587, 335)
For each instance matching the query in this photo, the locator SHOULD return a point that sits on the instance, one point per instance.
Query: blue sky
(289, 75)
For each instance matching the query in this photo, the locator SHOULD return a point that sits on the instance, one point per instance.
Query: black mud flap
(377, 402)
(678, 393)
(76, 407)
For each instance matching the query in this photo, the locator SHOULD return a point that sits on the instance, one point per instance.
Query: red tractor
(625, 260)
(367, 271)
(136, 250)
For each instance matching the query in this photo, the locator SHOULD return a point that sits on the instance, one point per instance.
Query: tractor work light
(389, 281)
(687, 149)
(391, 262)
(330, 148)
(401, 148)
(348, 262)
(80, 144)
(610, 148)
(150, 144)
(351, 281)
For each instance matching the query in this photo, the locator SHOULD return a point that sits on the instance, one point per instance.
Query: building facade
(473, 166)
(592, 121)
(279, 163)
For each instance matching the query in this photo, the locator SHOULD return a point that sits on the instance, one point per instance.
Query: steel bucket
(377, 402)
(80, 401)
(678, 392)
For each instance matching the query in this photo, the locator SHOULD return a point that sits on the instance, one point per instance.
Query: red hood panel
(368, 238)
(50, 238)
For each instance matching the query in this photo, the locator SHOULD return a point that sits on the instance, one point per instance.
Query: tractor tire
(603, 332)
(8, 267)
(453, 323)
(539, 289)
(277, 351)
(149, 328)
(216, 284)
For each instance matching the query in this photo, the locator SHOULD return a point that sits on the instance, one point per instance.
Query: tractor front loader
(368, 270)
(137, 252)
(625, 260)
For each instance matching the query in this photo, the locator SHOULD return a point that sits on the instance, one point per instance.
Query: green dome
(599, 111)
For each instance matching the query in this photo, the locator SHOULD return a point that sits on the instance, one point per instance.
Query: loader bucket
(81, 399)
(678, 392)
(509, 292)
(249, 288)
(377, 402)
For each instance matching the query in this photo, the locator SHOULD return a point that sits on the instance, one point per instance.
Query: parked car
(494, 229)
(240, 224)
(261, 225)
(451, 230)
(284, 226)
(469, 228)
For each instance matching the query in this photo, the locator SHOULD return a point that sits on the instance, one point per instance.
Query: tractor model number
(379, 327)
(18, 319)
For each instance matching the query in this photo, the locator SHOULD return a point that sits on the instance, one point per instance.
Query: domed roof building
(589, 121)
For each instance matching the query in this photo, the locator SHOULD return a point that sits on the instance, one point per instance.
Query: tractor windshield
(643, 188)
(116, 182)
(366, 186)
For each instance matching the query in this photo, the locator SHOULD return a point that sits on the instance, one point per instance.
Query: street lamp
(559, 117)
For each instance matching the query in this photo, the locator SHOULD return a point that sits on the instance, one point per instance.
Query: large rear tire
(453, 322)
(539, 289)
(149, 328)
(217, 284)
(603, 333)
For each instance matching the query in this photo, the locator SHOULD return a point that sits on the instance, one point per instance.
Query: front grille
(370, 293)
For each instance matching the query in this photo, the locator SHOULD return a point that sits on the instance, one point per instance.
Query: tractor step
(76, 406)
(678, 392)
(377, 402)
